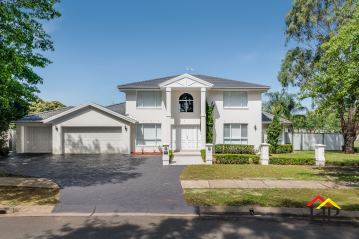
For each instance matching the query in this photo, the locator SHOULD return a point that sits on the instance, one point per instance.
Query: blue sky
(100, 44)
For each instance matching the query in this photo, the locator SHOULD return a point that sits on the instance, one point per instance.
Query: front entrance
(186, 137)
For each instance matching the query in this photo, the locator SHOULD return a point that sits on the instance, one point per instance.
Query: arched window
(186, 103)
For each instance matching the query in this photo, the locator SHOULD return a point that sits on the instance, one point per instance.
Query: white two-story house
(172, 110)
(164, 111)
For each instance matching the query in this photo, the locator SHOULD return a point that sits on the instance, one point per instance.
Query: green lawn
(241, 171)
(348, 199)
(332, 157)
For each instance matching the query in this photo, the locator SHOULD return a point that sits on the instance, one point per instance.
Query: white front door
(186, 137)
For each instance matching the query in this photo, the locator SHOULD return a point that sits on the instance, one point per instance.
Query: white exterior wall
(180, 118)
(145, 115)
(252, 115)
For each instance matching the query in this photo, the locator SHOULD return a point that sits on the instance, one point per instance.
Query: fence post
(320, 155)
(165, 155)
(209, 153)
(264, 154)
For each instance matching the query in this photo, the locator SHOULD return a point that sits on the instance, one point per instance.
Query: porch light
(255, 127)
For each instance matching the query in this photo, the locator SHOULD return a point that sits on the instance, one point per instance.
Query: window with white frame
(148, 134)
(235, 134)
(148, 99)
(235, 99)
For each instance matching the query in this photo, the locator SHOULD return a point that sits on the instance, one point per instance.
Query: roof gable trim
(185, 80)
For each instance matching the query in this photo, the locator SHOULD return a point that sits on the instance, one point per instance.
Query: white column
(57, 147)
(167, 124)
(209, 153)
(319, 155)
(264, 158)
(203, 117)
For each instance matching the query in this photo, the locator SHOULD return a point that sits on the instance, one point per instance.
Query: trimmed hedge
(281, 149)
(234, 149)
(236, 159)
(291, 161)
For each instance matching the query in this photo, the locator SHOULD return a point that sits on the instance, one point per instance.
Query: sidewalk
(27, 182)
(266, 183)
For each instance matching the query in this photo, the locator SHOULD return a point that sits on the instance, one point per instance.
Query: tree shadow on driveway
(76, 170)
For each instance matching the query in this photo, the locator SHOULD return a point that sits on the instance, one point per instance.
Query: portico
(185, 103)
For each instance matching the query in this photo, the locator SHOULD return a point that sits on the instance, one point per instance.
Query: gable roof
(48, 116)
(217, 82)
(267, 118)
(38, 117)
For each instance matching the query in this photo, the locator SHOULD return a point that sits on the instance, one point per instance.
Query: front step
(187, 158)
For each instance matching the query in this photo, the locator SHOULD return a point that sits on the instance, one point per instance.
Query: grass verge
(348, 199)
(242, 171)
(13, 196)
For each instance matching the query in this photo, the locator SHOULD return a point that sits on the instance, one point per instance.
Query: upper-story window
(148, 99)
(235, 99)
(186, 103)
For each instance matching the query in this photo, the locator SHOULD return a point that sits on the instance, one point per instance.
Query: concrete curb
(267, 211)
(41, 211)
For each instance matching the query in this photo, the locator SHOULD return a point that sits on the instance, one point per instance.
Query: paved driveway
(106, 183)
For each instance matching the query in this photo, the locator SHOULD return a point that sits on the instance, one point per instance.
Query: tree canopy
(41, 106)
(284, 103)
(22, 39)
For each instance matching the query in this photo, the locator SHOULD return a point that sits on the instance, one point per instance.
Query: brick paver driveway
(106, 183)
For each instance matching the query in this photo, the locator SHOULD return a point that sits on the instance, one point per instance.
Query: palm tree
(284, 104)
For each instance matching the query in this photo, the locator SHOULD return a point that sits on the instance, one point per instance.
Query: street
(58, 227)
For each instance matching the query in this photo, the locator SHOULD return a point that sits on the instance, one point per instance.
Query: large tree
(22, 39)
(336, 84)
(312, 24)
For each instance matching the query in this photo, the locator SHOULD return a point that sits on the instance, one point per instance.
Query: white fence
(306, 141)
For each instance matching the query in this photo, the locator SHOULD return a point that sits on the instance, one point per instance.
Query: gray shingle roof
(267, 118)
(43, 115)
(218, 82)
(118, 108)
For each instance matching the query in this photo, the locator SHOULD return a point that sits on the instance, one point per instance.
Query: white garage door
(95, 140)
(37, 139)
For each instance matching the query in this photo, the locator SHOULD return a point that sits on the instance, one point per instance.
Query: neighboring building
(169, 110)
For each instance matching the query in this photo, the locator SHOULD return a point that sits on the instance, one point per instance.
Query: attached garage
(95, 140)
(86, 129)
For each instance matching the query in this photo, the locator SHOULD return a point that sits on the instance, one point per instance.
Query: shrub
(291, 161)
(236, 159)
(281, 149)
(273, 131)
(203, 154)
(170, 154)
(234, 149)
(4, 149)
